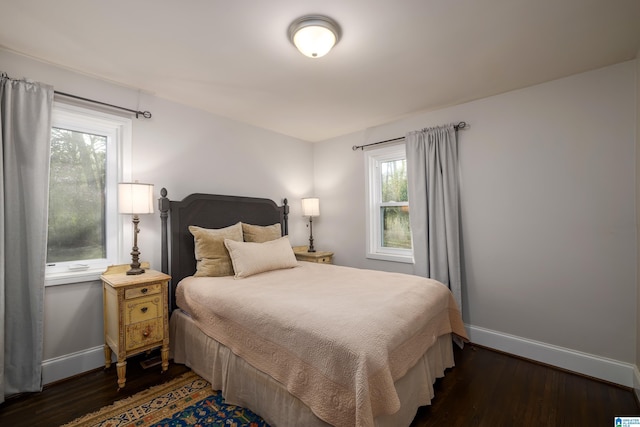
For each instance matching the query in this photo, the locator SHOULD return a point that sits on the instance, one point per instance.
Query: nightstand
(135, 315)
(302, 254)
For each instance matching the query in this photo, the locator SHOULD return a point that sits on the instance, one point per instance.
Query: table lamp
(135, 199)
(311, 208)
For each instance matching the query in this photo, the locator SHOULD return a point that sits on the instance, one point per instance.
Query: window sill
(67, 278)
(389, 257)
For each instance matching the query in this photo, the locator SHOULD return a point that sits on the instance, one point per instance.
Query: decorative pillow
(211, 254)
(249, 258)
(261, 234)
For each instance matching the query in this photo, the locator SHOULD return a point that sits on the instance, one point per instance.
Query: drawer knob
(146, 332)
(144, 309)
(144, 290)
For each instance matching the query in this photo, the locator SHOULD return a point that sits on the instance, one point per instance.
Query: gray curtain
(432, 174)
(25, 127)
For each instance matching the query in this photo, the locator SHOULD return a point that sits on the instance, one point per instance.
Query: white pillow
(249, 258)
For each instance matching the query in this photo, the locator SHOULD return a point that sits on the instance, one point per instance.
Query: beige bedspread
(336, 337)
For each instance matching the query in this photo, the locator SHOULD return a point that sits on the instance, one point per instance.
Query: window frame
(118, 131)
(373, 158)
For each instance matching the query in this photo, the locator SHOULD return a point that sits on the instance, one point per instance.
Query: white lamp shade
(311, 206)
(135, 198)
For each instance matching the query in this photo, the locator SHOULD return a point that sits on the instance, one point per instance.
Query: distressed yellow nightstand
(135, 315)
(302, 254)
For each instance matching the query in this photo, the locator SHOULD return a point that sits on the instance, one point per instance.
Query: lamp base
(134, 271)
(135, 253)
(311, 248)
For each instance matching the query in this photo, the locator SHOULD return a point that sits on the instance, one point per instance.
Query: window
(389, 233)
(89, 155)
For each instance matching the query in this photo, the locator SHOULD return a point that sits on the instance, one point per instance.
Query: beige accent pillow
(249, 258)
(261, 234)
(210, 252)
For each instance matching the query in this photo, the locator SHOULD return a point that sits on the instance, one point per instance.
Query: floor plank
(489, 388)
(486, 388)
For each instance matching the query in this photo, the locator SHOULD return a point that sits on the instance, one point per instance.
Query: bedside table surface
(122, 279)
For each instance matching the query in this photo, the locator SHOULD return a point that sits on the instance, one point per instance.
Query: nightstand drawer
(321, 257)
(141, 309)
(154, 288)
(143, 333)
(317, 259)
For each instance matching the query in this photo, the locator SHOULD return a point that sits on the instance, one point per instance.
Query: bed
(299, 343)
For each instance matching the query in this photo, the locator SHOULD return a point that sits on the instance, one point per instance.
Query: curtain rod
(460, 125)
(145, 114)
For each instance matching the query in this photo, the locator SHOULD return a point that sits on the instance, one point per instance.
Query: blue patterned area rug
(184, 401)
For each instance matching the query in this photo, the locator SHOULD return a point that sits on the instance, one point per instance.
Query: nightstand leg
(107, 356)
(165, 357)
(122, 373)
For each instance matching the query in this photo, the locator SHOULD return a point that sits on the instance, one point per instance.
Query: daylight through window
(89, 154)
(77, 206)
(394, 206)
(389, 235)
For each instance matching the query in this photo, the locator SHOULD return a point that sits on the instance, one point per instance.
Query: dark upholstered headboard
(207, 211)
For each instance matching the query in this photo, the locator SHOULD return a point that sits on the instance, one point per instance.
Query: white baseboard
(636, 382)
(72, 364)
(603, 368)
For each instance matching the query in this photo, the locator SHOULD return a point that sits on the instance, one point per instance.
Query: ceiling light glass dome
(314, 35)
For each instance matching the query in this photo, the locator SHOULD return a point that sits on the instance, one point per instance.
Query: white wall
(637, 372)
(180, 148)
(548, 217)
(188, 151)
(548, 209)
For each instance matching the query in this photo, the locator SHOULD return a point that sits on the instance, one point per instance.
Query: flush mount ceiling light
(314, 35)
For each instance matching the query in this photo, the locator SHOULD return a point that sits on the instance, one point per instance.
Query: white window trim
(115, 128)
(373, 158)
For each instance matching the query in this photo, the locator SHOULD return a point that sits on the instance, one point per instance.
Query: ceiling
(396, 57)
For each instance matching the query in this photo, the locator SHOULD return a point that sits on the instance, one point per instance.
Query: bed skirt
(243, 385)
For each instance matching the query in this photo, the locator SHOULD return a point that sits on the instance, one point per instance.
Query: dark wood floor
(486, 388)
